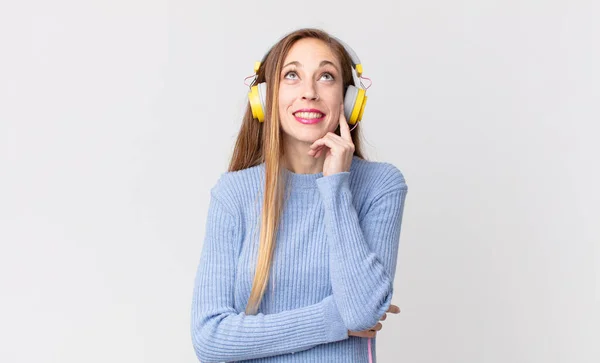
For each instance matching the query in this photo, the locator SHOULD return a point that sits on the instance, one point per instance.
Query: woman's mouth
(309, 117)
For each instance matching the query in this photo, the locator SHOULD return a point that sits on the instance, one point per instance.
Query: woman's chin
(306, 133)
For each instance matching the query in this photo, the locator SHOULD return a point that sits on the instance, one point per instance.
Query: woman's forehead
(310, 50)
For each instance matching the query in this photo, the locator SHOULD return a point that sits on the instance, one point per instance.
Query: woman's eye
(293, 75)
(288, 73)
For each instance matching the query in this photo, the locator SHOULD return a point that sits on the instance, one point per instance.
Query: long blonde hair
(262, 142)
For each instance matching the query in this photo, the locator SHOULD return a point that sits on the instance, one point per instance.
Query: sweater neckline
(304, 181)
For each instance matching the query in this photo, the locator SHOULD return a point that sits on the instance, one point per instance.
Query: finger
(377, 327)
(320, 142)
(328, 140)
(318, 153)
(314, 151)
(368, 334)
(363, 334)
(344, 128)
(394, 309)
(383, 317)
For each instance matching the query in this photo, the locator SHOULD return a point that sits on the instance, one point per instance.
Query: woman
(302, 232)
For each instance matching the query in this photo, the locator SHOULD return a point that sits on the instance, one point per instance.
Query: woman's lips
(309, 117)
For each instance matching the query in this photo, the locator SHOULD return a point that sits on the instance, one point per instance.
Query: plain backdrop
(117, 117)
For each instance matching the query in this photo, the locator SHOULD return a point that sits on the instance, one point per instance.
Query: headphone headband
(355, 60)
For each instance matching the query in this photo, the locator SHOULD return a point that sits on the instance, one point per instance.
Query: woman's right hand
(371, 333)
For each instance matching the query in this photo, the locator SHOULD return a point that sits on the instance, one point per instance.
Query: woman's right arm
(220, 333)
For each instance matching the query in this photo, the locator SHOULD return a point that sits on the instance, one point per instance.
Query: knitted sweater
(333, 266)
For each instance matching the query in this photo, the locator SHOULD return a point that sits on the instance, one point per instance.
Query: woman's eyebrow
(323, 63)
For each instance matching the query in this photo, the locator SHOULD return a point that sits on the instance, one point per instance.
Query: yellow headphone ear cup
(362, 108)
(349, 102)
(256, 97)
(354, 104)
(358, 106)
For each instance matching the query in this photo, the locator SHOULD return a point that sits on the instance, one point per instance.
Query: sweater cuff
(331, 186)
(335, 329)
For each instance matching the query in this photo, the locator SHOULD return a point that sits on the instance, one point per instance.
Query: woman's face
(310, 92)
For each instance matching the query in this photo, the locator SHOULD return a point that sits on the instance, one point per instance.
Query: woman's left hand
(340, 148)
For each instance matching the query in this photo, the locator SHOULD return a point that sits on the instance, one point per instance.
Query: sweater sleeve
(220, 333)
(363, 253)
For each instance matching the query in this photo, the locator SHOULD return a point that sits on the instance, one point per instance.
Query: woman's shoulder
(230, 186)
(381, 176)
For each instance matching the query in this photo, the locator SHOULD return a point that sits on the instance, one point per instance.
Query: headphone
(354, 100)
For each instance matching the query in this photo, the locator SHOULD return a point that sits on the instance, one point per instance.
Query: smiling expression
(310, 91)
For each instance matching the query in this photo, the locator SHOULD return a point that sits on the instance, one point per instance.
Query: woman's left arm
(363, 253)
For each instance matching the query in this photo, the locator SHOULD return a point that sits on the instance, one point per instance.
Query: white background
(117, 117)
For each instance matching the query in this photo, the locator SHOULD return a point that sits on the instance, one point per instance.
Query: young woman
(302, 232)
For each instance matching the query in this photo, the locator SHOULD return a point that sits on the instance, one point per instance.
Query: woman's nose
(310, 92)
